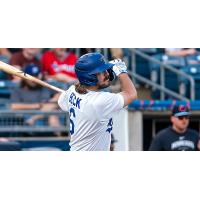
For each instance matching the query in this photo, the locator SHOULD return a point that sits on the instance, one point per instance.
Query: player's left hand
(119, 66)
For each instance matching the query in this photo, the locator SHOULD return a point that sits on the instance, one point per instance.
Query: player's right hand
(119, 66)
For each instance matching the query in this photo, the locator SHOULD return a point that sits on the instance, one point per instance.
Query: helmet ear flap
(86, 79)
(111, 74)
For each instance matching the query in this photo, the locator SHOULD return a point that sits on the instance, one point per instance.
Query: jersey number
(110, 125)
(71, 117)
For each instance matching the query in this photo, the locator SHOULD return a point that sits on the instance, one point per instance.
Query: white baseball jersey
(90, 115)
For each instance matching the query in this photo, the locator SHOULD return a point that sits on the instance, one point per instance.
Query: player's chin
(184, 126)
(107, 83)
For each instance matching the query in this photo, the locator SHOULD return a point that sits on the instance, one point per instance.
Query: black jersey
(169, 140)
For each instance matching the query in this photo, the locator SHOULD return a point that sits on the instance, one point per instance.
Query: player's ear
(172, 119)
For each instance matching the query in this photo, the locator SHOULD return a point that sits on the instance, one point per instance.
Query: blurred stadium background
(163, 78)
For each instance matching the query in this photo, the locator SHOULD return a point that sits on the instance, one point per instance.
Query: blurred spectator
(112, 144)
(31, 96)
(180, 51)
(181, 56)
(5, 55)
(58, 64)
(24, 57)
(178, 137)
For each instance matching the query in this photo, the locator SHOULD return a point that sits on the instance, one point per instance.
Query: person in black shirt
(178, 137)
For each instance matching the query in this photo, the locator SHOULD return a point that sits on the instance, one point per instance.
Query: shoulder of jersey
(193, 131)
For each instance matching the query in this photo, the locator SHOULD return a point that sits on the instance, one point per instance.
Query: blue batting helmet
(89, 65)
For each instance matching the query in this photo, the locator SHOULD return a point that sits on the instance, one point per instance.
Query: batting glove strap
(119, 66)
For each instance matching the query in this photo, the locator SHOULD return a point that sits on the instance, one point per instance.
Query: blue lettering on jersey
(78, 102)
(72, 116)
(110, 125)
(74, 100)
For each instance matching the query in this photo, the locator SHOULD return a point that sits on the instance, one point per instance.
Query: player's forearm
(49, 106)
(129, 92)
(19, 106)
(128, 88)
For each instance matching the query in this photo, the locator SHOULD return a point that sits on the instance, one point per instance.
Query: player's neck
(92, 88)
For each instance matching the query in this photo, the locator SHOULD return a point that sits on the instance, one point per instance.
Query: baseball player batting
(91, 109)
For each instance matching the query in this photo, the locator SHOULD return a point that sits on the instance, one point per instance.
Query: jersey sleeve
(62, 101)
(107, 104)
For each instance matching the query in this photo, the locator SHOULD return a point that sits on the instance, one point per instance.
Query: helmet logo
(182, 108)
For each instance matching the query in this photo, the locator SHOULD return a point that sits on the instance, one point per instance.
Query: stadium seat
(171, 79)
(194, 71)
(193, 59)
(142, 65)
(5, 87)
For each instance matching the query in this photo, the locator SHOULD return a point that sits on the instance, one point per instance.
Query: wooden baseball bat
(17, 72)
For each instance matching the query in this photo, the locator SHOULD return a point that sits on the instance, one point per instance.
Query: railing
(13, 121)
(162, 87)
